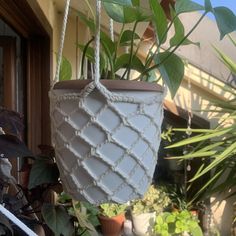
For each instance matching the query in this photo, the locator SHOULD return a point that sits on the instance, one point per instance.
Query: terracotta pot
(112, 226)
(106, 137)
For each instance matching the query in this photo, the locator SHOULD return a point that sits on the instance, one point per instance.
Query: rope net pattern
(106, 143)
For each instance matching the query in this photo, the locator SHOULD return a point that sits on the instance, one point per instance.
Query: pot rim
(110, 84)
(122, 215)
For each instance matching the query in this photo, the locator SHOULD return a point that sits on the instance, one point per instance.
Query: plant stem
(131, 49)
(110, 59)
(160, 43)
(118, 42)
(175, 48)
(84, 55)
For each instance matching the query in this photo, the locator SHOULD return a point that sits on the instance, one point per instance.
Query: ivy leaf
(182, 6)
(208, 6)
(225, 19)
(120, 13)
(180, 34)
(125, 14)
(159, 20)
(123, 62)
(65, 70)
(58, 220)
(43, 172)
(127, 37)
(171, 69)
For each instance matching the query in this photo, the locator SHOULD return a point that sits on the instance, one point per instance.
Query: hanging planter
(106, 134)
(106, 142)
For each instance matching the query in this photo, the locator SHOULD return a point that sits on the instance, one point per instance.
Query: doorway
(25, 60)
(25, 68)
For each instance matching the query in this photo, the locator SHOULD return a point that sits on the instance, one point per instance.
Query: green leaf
(230, 150)
(194, 130)
(43, 172)
(120, 2)
(120, 13)
(90, 54)
(208, 6)
(136, 3)
(225, 19)
(194, 155)
(233, 41)
(58, 220)
(171, 69)
(182, 6)
(227, 61)
(127, 37)
(105, 39)
(201, 137)
(159, 20)
(123, 62)
(179, 34)
(65, 70)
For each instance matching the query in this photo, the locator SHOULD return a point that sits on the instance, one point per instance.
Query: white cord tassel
(16, 221)
(97, 42)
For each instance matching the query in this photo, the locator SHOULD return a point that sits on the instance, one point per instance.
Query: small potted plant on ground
(177, 223)
(144, 210)
(112, 218)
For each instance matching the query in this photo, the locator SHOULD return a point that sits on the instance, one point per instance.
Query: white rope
(97, 42)
(189, 109)
(16, 221)
(63, 32)
(111, 29)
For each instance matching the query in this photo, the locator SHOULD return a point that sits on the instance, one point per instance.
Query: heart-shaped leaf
(208, 6)
(171, 69)
(127, 37)
(123, 62)
(120, 13)
(43, 172)
(58, 220)
(179, 34)
(225, 19)
(159, 20)
(182, 6)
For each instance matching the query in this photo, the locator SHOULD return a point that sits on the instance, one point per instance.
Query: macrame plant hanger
(96, 176)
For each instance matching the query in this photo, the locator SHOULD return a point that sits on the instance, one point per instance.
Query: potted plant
(177, 223)
(99, 126)
(112, 218)
(144, 210)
